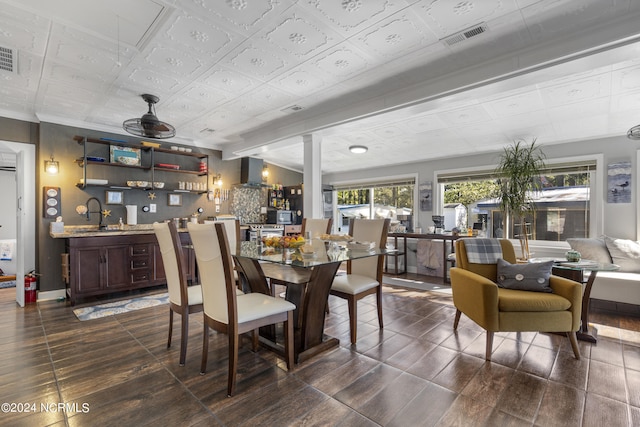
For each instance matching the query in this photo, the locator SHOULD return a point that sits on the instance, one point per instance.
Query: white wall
(619, 219)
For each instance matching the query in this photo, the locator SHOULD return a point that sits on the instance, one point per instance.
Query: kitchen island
(99, 262)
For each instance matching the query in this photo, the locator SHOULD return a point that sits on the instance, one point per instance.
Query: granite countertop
(73, 231)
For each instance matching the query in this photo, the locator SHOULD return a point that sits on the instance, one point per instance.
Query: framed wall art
(113, 197)
(619, 182)
(174, 199)
(426, 194)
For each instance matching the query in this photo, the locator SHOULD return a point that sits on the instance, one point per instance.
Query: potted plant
(518, 171)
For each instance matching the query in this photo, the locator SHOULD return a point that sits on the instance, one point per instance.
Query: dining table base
(310, 293)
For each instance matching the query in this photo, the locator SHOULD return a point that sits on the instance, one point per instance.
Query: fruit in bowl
(283, 242)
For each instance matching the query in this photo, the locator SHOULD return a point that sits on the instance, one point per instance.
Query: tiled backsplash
(246, 203)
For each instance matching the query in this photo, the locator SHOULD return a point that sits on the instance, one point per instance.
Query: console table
(450, 238)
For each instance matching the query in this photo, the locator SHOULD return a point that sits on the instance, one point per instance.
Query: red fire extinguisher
(30, 284)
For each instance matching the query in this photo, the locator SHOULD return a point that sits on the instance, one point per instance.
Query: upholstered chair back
(316, 226)
(215, 270)
(487, 270)
(368, 230)
(172, 254)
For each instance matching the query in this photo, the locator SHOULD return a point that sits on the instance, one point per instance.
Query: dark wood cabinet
(102, 265)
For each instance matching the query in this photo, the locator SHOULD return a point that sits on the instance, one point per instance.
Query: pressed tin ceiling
(408, 79)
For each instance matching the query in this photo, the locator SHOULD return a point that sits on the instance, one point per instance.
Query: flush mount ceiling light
(358, 149)
(634, 132)
(148, 125)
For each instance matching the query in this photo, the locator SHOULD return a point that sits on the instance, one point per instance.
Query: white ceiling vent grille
(465, 34)
(292, 108)
(8, 59)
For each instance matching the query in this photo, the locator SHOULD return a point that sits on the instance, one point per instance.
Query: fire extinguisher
(30, 284)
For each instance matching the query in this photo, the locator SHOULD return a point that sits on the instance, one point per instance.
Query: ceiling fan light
(634, 132)
(358, 149)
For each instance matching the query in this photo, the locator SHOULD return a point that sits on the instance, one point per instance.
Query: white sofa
(622, 286)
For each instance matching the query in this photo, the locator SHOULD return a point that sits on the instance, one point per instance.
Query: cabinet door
(88, 268)
(157, 270)
(116, 266)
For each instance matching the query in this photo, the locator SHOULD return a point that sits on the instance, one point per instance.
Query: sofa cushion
(593, 249)
(524, 277)
(625, 253)
(513, 300)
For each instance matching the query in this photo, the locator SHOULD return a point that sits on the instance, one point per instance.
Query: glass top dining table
(324, 252)
(308, 283)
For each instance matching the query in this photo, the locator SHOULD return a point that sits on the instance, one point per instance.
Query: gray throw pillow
(525, 277)
(593, 249)
(625, 253)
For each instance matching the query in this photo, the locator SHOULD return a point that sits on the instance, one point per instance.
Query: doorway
(24, 203)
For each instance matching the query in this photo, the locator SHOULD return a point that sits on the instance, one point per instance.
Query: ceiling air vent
(292, 108)
(8, 59)
(465, 34)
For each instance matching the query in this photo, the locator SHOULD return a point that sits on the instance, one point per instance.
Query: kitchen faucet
(99, 212)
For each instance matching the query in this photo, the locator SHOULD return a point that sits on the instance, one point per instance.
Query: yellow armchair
(495, 309)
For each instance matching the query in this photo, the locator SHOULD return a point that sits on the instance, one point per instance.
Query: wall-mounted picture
(113, 197)
(426, 194)
(124, 155)
(174, 199)
(619, 182)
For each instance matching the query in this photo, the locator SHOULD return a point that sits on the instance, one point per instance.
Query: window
(391, 199)
(562, 206)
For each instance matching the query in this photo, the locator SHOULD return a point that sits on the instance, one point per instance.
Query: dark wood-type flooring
(117, 371)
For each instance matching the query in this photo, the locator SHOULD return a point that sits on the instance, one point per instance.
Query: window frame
(596, 211)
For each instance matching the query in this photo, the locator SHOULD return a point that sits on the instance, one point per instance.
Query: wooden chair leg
(205, 348)
(353, 317)
(456, 320)
(574, 344)
(185, 336)
(170, 327)
(489, 346)
(255, 342)
(233, 363)
(288, 341)
(379, 298)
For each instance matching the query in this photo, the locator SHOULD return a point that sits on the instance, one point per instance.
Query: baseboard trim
(52, 295)
(614, 307)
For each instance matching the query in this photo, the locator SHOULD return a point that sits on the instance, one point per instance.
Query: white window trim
(596, 227)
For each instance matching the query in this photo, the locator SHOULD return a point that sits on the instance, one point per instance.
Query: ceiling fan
(148, 125)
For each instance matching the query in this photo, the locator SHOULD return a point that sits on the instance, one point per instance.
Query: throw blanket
(483, 251)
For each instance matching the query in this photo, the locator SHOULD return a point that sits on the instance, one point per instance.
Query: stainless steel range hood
(251, 172)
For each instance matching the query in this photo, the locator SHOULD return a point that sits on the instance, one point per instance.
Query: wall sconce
(51, 167)
(217, 180)
(265, 173)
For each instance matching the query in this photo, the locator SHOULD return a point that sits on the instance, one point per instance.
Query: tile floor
(415, 372)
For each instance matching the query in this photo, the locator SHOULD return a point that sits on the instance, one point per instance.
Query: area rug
(417, 284)
(118, 307)
(8, 284)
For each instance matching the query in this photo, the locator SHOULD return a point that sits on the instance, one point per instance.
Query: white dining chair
(364, 276)
(316, 227)
(227, 312)
(183, 299)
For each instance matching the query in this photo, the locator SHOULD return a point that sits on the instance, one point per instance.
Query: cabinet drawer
(140, 250)
(140, 276)
(140, 262)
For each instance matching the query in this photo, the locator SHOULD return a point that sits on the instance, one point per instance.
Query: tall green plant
(518, 170)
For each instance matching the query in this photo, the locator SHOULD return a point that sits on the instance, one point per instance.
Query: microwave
(281, 217)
